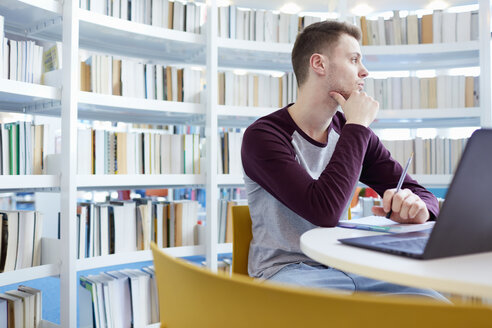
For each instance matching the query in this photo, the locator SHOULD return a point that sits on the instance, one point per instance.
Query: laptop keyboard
(413, 245)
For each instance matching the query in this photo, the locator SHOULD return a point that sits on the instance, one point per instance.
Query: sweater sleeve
(269, 159)
(381, 172)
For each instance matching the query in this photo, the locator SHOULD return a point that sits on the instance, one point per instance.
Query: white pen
(400, 182)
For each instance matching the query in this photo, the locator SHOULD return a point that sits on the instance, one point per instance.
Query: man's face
(345, 70)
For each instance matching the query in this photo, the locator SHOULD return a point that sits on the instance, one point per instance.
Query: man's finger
(398, 199)
(387, 199)
(338, 97)
(378, 211)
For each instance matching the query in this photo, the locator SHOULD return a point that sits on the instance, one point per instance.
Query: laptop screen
(464, 225)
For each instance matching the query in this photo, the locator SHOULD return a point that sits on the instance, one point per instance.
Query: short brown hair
(314, 39)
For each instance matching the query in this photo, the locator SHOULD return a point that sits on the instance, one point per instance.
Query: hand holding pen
(400, 182)
(402, 205)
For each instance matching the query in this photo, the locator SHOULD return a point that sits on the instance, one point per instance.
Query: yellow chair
(241, 237)
(190, 296)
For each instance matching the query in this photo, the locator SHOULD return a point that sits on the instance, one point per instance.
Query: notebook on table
(382, 224)
(464, 225)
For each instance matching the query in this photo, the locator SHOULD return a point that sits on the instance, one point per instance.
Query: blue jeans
(321, 276)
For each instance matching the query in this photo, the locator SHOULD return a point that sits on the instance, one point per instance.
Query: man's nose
(363, 73)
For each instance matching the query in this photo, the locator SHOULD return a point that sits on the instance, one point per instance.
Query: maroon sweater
(295, 183)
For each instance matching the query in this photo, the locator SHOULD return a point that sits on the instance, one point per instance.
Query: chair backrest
(241, 237)
(191, 296)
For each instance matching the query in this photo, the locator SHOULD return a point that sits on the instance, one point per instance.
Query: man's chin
(345, 95)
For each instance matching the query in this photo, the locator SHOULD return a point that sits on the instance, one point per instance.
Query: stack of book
(21, 307)
(127, 226)
(132, 78)
(20, 60)
(229, 154)
(106, 152)
(431, 156)
(438, 27)
(225, 218)
(22, 148)
(180, 16)
(261, 25)
(20, 239)
(257, 90)
(126, 298)
(416, 93)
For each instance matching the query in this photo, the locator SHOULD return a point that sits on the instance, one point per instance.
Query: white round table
(466, 275)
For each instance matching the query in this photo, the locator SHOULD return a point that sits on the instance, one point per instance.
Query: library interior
(197, 122)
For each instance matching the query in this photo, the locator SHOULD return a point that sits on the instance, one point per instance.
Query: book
(120, 293)
(154, 299)
(144, 223)
(37, 303)
(382, 224)
(15, 309)
(28, 301)
(10, 231)
(90, 297)
(3, 313)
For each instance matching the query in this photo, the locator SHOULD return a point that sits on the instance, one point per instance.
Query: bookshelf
(436, 56)
(77, 28)
(43, 20)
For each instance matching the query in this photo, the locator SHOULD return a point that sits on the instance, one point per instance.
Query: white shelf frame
(429, 113)
(26, 14)
(68, 182)
(244, 111)
(269, 47)
(112, 35)
(153, 33)
(427, 180)
(433, 180)
(29, 182)
(230, 180)
(439, 117)
(421, 49)
(211, 135)
(421, 56)
(485, 63)
(138, 181)
(26, 97)
(48, 324)
(144, 256)
(265, 55)
(107, 107)
(37, 272)
(259, 55)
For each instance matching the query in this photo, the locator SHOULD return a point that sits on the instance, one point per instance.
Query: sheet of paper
(380, 223)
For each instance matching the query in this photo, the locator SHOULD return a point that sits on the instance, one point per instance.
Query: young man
(302, 164)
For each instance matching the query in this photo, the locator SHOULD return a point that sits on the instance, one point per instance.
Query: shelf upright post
(341, 7)
(485, 80)
(211, 134)
(68, 178)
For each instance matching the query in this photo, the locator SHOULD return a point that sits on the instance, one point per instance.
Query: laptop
(464, 225)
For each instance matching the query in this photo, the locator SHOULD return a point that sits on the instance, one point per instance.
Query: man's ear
(318, 63)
